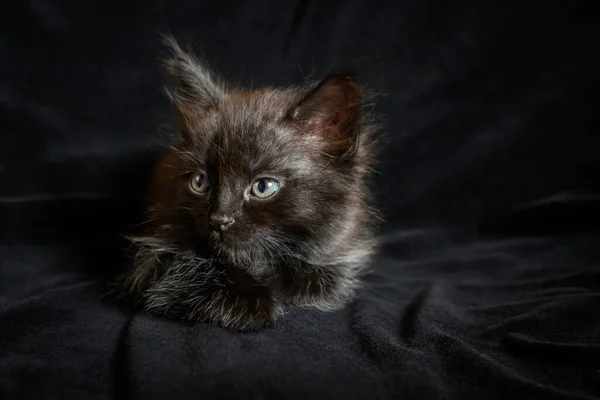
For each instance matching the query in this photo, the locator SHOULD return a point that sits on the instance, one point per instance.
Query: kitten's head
(258, 175)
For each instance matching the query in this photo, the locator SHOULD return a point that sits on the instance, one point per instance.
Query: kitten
(261, 202)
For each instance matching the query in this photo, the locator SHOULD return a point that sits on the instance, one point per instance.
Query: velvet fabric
(487, 285)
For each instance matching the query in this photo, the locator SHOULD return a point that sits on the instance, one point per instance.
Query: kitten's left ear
(191, 86)
(330, 114)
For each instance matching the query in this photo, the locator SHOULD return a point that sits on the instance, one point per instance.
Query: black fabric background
(488, 283)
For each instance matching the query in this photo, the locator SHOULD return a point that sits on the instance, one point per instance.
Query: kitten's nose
(220, 222)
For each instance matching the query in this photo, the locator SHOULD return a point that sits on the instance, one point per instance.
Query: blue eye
(264, 187)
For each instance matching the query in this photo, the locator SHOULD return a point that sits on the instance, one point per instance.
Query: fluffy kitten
(260, 203)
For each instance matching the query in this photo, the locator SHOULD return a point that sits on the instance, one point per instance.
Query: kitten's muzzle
(220, 223)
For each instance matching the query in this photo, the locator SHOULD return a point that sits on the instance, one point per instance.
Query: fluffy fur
(308, 245)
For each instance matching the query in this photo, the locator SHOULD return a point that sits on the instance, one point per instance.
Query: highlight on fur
(309, 245)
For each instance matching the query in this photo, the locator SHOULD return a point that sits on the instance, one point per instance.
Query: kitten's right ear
(190, 85)
(330, 114)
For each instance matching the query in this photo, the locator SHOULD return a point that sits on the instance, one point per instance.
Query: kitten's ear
(190, 85)
(330, 113)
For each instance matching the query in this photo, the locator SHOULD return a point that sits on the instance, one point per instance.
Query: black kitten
(261, 202)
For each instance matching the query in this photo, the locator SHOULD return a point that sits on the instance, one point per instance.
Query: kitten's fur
(307, 246)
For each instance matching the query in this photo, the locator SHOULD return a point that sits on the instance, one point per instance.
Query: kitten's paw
(227, 297)
(245, 311)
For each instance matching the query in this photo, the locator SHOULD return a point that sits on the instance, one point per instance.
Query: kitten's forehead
(262, 105)
(251, 121)
(246, 132)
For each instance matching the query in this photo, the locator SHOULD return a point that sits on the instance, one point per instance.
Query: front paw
(227, 297)
(242, 309)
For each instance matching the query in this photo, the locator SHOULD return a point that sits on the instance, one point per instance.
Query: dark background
(488, 283)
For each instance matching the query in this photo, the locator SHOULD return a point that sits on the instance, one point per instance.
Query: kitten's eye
(264, 188)
(198, 183)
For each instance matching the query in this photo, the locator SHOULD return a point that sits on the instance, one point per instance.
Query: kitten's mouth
(223, 245)
(226, 243)
(221, 240)
(216, 237)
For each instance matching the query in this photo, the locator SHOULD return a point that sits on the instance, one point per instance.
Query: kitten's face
(251, 184)
(264, 174)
